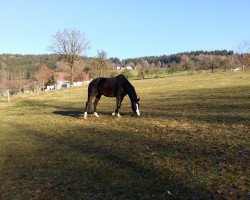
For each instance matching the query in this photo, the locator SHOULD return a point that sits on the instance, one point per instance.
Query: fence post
(8, 95)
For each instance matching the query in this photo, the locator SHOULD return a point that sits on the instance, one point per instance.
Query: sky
(126, 28)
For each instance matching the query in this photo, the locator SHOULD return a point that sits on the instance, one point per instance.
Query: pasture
(191, 142)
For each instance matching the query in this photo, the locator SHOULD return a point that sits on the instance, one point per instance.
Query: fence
(12, 94)
(8, 95)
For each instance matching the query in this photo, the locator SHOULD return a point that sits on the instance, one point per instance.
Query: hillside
(16, 66)
(191, 142)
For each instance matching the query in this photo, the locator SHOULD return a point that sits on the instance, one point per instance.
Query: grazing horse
(117, 87)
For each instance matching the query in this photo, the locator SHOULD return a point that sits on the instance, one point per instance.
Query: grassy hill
(191, 142)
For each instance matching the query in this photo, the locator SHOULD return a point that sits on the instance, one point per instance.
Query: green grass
(134, 74)
(191, 142)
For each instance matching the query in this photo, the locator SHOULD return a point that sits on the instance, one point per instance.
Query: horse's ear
(138, 99)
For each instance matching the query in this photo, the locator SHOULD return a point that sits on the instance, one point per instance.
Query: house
(119, 67)
(122, 68)
(237, 69)
(129, 67)
(63, 80)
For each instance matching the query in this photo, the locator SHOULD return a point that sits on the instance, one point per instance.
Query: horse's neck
(131, 93)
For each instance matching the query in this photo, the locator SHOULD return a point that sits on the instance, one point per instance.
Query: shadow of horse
(71, 113)
(79, 114)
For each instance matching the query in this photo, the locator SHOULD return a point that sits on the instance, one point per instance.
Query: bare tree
(244, 47)
(102, 61)
(173, 67)
(143, 68)
(70, 44)
(3, 72)
(244, 50)
(187, 64)
(43, 76)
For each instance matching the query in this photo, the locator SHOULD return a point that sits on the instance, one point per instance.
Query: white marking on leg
(85, 115)
(118, 115)
(113, 114)
(137, 110)
(95, 113)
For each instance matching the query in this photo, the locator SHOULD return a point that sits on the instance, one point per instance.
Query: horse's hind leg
(86, 109)
(97, 98)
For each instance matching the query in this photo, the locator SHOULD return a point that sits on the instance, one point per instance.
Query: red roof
(62, 76)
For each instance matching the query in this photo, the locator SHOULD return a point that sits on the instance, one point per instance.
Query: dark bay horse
(117, 87)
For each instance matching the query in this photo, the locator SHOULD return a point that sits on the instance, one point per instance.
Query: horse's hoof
(85, 115)
(95, 113)
(113, 114)
(118, 115)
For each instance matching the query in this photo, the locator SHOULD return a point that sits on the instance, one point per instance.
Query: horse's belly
(109, 94)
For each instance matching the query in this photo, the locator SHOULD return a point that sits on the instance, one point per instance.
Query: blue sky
(126, 28)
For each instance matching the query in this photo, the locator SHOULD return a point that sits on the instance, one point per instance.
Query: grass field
(191, 142)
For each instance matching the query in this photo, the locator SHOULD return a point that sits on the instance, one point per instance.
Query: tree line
(21, 67)
(69, 47)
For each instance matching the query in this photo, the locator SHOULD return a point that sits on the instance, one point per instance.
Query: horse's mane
(130, 89)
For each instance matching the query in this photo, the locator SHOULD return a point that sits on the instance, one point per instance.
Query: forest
(17, 67)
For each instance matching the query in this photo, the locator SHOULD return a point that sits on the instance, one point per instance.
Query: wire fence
(11, 94)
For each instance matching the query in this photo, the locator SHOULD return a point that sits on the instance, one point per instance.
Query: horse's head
(135, 107)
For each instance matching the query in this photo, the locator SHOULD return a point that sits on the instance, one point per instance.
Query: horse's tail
(92, 92)
(90, 98)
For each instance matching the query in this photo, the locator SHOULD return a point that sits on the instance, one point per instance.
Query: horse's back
(106, 86)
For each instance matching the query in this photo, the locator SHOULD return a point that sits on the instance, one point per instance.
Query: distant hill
(17, 66)
(166, 59)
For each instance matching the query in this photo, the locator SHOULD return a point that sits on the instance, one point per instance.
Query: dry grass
(191, 142)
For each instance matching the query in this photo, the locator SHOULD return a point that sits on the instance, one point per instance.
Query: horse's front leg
(118, 106)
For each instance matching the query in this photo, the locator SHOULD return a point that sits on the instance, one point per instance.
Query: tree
(156, 70)
(131, 64)
(86, 70)
(143, 68)
(159, 64)
(101, 61)
(244, 50)
(44, 75)
(244, 47)
(213, 63)
(126, 73)
(115, 60)
(173, 67)
(245, 60)
(70, 44)
(187, 64)
(3, 72)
